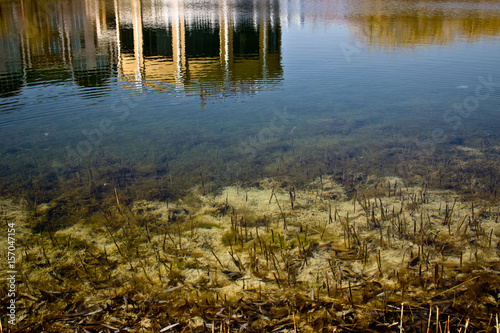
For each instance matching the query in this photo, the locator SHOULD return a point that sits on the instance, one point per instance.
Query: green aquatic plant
(229, 237)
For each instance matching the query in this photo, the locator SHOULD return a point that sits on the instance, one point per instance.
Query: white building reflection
(215, 46)
(151, 44)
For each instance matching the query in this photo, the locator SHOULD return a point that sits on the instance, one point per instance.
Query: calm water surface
(223, 91)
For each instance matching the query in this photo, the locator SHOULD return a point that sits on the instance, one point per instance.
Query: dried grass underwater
(265, 259)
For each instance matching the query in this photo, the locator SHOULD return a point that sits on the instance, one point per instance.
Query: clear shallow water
(228, 88)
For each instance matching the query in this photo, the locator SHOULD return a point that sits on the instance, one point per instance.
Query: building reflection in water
(50, 42)
(396, 24)
(222, 48)
(214, 48)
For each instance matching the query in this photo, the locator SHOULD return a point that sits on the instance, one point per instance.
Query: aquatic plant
(391, 256)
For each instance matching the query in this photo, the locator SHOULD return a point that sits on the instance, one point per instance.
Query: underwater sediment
(302, 234)
(383, 255)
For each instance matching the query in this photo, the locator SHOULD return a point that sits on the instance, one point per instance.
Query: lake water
(250, 165)
(154, 97)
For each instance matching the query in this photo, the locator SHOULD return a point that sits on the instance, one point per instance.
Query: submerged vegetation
(335, 225)
(335, 254)
(384, 236)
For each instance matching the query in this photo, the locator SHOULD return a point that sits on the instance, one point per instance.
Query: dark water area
(154, 97)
